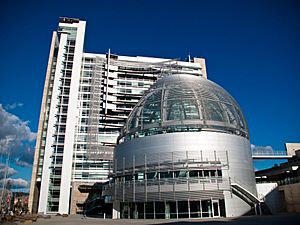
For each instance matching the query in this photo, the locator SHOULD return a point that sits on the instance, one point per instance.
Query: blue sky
(252, 49)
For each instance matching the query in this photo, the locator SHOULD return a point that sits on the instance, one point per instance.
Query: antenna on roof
(189, 57)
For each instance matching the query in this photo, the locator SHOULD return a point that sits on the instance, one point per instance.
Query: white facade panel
(113, 74)
(72, 116)
(110, 90)
(111, 98)
(43, 198)
(112, 82)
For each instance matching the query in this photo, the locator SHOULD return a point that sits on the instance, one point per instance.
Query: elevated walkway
(270, 155)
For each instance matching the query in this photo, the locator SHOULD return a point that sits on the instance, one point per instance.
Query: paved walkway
(284, 219)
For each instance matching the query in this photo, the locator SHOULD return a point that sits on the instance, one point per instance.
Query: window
(168, 174)
(206, 173)
(84, 121)
(63, 119)
(180, 174)
(193, 173)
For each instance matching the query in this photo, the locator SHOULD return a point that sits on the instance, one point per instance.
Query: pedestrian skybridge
(266, 154)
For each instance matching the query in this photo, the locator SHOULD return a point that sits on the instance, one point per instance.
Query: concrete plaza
(283, 219)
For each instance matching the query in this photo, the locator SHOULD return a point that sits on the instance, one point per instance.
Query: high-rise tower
(86, 100)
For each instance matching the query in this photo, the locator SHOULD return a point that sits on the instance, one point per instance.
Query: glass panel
(151, 113)
(206, 208)
(213, 173)
(183, 209)
(193, 173)
(241, 119)
(230, 111)
(175, 110)
(131, 209)
(180, 98)
(132, 120)
(172, 207)
(190, 109)
(216, 208)
(213, 111)
(149, 206)
(168, 174)
(195, 209)
(159, 210)
(206, 173)
(181, 173)
(174, 91)
(140, 210)
(219, 173)
(222, 207)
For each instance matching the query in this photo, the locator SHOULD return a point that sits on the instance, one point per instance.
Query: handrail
(235, 183)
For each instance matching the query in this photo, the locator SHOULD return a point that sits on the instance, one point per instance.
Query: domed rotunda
(184, 153)
(185, 103)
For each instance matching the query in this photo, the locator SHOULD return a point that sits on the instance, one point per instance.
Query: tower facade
(86, 100)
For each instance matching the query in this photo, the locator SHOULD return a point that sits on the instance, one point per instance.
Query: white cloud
(6, 169)
(264, 149)
(16, 137)
(23, 163)
(13, 106)
(11, 183)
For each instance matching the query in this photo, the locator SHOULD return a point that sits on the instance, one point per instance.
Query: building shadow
(281, 219)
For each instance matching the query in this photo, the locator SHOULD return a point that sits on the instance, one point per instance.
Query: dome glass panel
(181, 102)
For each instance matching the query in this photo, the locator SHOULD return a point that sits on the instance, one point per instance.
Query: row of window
(63, 100)
(95, 165)
(88, 60)
(57, 157)
(171, 175)
(131, 84)
(155, 131)
(85, 129)
(172, 209)
(90, 176)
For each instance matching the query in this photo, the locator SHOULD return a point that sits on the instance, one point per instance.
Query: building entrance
(173, 209)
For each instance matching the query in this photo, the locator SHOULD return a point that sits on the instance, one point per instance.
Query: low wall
(274, 199)
(292, 197)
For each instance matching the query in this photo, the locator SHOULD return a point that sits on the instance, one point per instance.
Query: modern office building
(86, 100)
(279, 185)
(184, 152)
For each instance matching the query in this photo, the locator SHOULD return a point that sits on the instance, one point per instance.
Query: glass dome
(184, 103)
